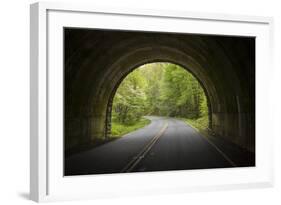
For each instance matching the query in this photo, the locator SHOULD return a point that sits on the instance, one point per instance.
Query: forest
(158, 89)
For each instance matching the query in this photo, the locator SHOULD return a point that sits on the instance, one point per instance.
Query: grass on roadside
(118, 129)
(200, 123)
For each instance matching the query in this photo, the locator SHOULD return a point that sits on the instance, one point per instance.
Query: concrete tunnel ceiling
(96, 61)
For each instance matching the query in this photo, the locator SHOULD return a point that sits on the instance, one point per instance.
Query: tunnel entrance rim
(112, 95)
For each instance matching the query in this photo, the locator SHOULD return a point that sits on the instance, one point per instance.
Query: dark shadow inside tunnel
(97, 61)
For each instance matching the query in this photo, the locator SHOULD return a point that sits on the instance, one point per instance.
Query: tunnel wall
(96, 61)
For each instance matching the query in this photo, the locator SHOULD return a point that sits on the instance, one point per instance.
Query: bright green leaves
(162, 89)
(129, 100)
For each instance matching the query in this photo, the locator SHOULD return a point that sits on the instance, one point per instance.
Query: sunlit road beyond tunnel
(165, 144)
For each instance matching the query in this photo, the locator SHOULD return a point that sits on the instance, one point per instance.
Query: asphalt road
(165, 144)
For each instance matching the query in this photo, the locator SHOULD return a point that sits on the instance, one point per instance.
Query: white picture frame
(47, 182)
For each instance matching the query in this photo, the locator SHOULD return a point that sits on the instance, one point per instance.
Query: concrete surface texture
(96, 61)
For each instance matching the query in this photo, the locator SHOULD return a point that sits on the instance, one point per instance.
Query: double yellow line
(136, 160)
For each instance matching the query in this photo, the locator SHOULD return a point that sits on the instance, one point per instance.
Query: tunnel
(96, 61)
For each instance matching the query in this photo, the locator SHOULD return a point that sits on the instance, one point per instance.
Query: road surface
(164, 144)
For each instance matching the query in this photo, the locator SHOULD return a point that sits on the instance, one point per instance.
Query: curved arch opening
(97, 63)
(157, 89)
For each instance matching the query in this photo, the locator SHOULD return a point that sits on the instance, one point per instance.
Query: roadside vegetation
(161, 89)
(201, 124)
(119, 129)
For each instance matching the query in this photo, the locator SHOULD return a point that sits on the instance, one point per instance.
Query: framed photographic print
(129, 101)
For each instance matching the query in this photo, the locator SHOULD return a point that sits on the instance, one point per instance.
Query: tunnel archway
(97, 60)
(108, 121)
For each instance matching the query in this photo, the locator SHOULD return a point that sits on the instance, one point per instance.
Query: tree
(129, 100)
(163, 89)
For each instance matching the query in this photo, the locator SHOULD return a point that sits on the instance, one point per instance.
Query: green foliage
(119, 129)
(181, 94)
(199, 123)
(162, 89)
(129, 101)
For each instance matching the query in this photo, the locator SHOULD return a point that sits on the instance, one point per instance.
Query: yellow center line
(135, 161)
